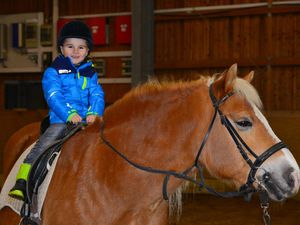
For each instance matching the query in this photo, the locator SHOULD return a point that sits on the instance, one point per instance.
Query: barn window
(24, 95)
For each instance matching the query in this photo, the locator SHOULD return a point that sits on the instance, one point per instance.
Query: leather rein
(246, 190)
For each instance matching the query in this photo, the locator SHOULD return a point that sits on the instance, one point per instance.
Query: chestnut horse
(100, 177)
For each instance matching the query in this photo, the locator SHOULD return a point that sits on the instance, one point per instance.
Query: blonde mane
(153, 84)
(245, 89)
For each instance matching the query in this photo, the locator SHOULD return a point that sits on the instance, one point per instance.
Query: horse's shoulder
(94, 127)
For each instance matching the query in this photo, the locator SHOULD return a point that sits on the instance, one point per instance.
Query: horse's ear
(230, 77)
(225, 82)
(249, 76)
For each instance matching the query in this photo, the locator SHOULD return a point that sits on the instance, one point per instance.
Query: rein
(246, 190)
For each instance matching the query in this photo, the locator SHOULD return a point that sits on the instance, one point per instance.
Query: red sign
(97, 26)
(123, 29)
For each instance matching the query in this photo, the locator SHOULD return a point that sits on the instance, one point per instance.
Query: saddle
(39, 171)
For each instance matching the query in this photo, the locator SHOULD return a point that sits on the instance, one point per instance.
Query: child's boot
(19, 190)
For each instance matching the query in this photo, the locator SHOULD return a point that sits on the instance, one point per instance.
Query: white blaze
(289, 157)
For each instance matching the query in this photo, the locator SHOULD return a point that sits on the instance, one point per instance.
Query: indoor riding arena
(184, 139)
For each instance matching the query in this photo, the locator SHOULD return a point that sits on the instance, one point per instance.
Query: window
(24, 94)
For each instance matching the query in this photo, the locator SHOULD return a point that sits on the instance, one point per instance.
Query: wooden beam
(216, 63)
(286, 9)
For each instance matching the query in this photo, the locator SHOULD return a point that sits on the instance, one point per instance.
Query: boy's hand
(90, 118)
(76, 119)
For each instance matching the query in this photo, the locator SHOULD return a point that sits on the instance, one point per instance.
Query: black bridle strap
(236, 134)
(237, 139)
(216, 107)
(196, 163)
(263, 157)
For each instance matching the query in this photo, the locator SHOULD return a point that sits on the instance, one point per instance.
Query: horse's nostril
(290, 177)
(291, 181)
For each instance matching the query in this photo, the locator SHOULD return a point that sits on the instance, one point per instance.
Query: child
(71, 89)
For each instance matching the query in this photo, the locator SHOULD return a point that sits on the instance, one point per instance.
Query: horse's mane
(241, 87)
(244, 88)
(154, 85)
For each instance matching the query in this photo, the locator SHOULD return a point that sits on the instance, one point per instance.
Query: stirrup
(19, 190)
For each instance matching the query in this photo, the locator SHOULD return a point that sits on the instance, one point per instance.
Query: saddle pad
(16, 204)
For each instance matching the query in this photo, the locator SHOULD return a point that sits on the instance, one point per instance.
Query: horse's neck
(164, 131)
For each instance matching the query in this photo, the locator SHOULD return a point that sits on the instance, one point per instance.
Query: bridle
(243, 148)
(246, 190)
(240, 143)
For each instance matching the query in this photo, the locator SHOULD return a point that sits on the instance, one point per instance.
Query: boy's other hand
(76, 119)
(90, 118)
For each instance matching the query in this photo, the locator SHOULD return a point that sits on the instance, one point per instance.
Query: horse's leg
(8, 217)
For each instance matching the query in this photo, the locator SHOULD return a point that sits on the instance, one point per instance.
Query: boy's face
(76, 49)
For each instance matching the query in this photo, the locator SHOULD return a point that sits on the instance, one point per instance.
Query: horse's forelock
(244, 88)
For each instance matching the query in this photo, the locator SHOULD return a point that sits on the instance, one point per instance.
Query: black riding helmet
(75, 29)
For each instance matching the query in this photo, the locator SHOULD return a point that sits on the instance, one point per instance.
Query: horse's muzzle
(282, 187)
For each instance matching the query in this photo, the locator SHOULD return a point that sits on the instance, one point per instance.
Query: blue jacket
(70, 90)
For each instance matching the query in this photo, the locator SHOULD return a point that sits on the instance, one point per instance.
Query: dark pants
(54, 132)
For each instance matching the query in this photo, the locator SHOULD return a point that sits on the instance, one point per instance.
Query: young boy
(71, 89)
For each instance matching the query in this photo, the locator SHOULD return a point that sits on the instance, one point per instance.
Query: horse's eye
(244, 124)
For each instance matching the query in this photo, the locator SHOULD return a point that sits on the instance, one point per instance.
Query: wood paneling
(114, 92)
(12, 120)
(71, 7)
(266, 42)
(21, 6)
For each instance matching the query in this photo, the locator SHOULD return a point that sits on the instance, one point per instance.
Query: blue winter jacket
(69, 90)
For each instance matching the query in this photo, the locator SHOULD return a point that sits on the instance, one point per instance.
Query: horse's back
(17, 143)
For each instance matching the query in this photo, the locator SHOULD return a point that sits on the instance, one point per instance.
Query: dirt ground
(204, 209)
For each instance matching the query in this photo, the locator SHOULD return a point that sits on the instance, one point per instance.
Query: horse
(154, 139)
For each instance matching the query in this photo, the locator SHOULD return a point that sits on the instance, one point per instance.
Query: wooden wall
(264, 39)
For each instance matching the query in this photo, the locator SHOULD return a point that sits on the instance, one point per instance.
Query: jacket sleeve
(96, 97)
(53, 94)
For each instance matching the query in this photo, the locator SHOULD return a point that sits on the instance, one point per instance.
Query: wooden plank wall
(264, 39)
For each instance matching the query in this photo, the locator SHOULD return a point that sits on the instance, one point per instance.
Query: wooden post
(269, 104)
(142, 40)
